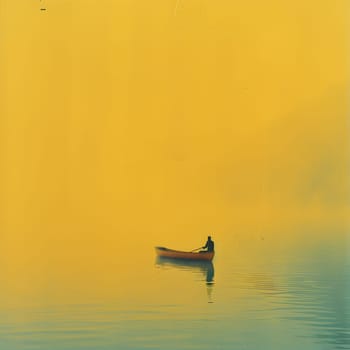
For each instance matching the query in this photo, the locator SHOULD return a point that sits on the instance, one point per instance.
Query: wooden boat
(177, 254)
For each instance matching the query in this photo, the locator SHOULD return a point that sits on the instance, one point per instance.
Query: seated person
(209, 246)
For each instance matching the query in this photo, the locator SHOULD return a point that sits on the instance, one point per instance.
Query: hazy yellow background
(150, 122)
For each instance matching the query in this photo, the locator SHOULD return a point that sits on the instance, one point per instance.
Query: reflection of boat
(177, 254)
(203, 266)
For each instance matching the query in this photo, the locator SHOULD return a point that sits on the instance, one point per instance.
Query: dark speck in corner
(42, 9)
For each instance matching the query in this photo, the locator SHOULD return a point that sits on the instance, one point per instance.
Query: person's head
(209, 238)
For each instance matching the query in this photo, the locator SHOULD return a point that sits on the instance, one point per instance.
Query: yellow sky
(138, 119)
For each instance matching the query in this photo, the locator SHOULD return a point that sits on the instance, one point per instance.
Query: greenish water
(257, 294)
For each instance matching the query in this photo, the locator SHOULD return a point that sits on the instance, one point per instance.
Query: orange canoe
(177, 254)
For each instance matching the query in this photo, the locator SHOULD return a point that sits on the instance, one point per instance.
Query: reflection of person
(210, 273)
(209, 245)
(210, 281)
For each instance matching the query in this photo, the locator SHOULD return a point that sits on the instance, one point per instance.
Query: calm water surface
(257, 294)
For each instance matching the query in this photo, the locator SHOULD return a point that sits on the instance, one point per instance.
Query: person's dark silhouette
(209, 246)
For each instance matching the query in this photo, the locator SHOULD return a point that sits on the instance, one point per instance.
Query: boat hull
(177, 254)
